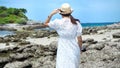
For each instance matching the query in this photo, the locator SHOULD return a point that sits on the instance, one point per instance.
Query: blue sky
(85, 10)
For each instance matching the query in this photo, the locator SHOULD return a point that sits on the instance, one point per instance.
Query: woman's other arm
(79, 38)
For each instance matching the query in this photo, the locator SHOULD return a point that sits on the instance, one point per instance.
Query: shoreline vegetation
(31, 48)
(12, 15)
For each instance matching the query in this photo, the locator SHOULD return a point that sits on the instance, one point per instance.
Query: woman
(68, 29)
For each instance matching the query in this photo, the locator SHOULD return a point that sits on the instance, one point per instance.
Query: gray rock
(24, 42)
(5, 50)
(1, 39)
(21, 48)
(7, 28)
(112, 52)
(93, 31)
(96, 46)
(118, 46)
(93, 64)
(92, 55)
(48, 64)
(47, 58)
(48, 53)
(112, 65)
(18, 64)
(36, 64)
(21, 57)
(4, 61)
(112, 44)
(53, 46)
(90, 41)
(116, 35)
(84, 46)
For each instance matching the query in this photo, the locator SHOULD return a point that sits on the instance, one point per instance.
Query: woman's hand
(54, 12)
(50, 16)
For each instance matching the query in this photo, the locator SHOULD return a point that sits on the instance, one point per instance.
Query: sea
(96, 24)
(5, 33)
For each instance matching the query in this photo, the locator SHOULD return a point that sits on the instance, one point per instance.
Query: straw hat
(66, 9)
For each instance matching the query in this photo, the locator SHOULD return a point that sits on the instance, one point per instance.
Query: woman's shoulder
(57, 19)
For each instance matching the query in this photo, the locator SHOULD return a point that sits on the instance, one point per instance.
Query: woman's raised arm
(50, 16)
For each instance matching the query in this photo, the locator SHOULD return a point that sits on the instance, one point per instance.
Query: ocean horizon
(97, 24)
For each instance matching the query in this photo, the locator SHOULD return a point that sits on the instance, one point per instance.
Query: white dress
(68, 52)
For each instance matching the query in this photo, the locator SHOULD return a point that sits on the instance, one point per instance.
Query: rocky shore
(29, 48)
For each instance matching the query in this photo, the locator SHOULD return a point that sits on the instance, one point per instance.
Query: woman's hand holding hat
(55, 11)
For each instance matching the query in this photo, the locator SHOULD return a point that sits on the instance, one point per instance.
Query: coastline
(101, 48)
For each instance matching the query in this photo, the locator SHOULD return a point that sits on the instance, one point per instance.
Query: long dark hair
(73, 20)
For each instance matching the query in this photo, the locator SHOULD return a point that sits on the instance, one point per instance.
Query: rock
(112, 52)
(53, 46)
(94, 42)
(6, 39)
(118, 46)
(90, 41)
(40, 34)
(93, 64)
(15, 40)
(36, 64)
(112, 44)
(49, 53)
(22, 34)
(48, 64)
(7, 44)
(96, 46)
(47, 58)
(91, 55)
(21, 57)
(7, 28)
(18, 64)
(27, 49)
(1, 39)
(24, 42)
(53, 33)
(92, 31)
(8, 49)
(112, 65)
(99, 46)
(84, 46)
(118, 40)
(4, 60)
(116, 35)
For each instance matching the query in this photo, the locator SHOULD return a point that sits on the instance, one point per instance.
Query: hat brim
(66, 12)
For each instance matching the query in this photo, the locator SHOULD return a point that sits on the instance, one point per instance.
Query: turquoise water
(95, 24)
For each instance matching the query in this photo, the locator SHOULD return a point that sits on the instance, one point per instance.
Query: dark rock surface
(101, 55)
(29, 56)
(116, 35)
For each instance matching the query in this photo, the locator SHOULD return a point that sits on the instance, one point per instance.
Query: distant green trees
(12, 15)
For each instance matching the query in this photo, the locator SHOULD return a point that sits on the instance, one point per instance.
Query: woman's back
(66, 28)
